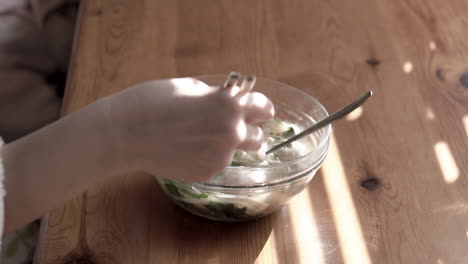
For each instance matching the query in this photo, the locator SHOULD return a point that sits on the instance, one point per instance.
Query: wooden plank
(412, 53)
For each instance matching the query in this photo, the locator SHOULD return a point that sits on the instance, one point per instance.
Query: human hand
(183, 128)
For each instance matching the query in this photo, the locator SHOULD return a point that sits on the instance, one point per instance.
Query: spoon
(330, 119)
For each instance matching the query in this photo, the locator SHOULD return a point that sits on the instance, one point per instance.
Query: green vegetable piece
(228, 210)
(236, 164)
(274, 156)
(172, 189)
(12, 247)
(203, 195)
(178, 190)
(274, 127)
(216, 208)
(235, 212)
(289, 133)
(277, 119)
(193, 194)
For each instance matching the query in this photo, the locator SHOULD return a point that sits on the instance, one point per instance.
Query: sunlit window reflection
(465, 124)
(408, 67)
(430, 114)
(344, 212)
(446, 162)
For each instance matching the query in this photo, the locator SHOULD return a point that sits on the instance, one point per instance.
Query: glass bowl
(245, 193)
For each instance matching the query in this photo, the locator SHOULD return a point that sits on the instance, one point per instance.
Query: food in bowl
(224, 207)
(255, 184)
(275, 131)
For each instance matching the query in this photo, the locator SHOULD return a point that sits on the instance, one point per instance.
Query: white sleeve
(2, 193)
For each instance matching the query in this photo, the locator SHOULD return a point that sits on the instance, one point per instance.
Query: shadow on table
(191, 239)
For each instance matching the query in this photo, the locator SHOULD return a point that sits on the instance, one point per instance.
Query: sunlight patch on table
(350, 234)
(355, 115)
(446, 162)
(305, 229)
(430, 114)
(269, 253)
(453, 209)
(408, 67)
(465, 124)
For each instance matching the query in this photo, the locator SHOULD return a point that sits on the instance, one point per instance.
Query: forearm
(45, 169)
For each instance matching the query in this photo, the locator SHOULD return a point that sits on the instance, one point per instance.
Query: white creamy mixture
(275, 131)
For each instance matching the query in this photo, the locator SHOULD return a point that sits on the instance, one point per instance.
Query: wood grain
(412, 53)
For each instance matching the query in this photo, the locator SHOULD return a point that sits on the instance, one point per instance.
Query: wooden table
(410, 139)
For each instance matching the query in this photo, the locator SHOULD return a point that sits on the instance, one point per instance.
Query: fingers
(252, 137)
(232, 80)
(230, 85)
(247, 84)
(254, 107)
(257, 107)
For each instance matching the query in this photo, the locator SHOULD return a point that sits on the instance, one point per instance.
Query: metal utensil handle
(331, 118)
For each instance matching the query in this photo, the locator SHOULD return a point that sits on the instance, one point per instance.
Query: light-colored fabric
(2, 191)
(35, 43)
(7, 5)
(18, 247)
